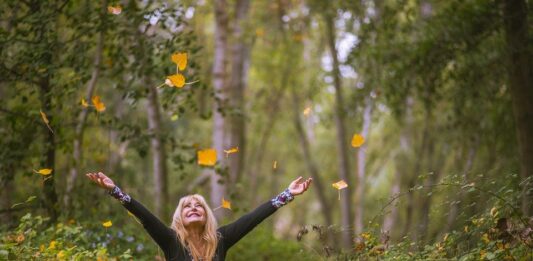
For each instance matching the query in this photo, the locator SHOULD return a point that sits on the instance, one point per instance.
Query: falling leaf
(176, 80)
(174, 117)
(207, 157)
(84, 103)
(107, 224)
(275, 164)
(340, 185)
(46, 121)
(180, 59)
(226, 204)
(307, 111)
(98, 104)
(232, 150)
(357, 140)
(116, 10)
(43, 172)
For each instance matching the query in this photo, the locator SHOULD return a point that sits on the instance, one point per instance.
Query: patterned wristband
(121, 196)
(282, 199)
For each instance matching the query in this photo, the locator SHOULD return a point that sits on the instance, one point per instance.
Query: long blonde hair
(209, 235)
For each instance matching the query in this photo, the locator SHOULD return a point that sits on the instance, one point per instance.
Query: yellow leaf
(466, 229)
(275, 164)
(307, 111)
(61, 255)
(340, 185)
(52, 245)
(232, 150)
(43, 172)
(259, 32)
(174, 117)
(357, 140)
(107, 224)
(98, 104)
(116, 10)
(176, 80)
(226, 204)
(482, 254)
(46, 121)
(84, 103)
(485, 238)
(180, 59)
(207, 157)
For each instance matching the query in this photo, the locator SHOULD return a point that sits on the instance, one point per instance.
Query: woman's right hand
(102, 180)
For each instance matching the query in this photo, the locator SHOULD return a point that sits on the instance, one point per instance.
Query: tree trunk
(220, 138)
(310, 163)
(82, 118)
(361, 164)
(158, 151)
(342, 153)
(519, 73)
(239, 73)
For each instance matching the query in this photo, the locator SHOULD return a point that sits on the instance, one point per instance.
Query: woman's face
(193, 214)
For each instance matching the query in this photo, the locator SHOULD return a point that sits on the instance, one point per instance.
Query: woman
(193, 234)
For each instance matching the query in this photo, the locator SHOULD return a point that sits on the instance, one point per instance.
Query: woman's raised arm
(161, 233)
(233, 232)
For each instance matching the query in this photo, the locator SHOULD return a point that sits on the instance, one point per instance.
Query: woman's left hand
(299, 185)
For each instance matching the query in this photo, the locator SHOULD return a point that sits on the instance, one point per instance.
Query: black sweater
(167, 238)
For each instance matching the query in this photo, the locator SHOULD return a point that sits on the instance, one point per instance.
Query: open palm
(299, 186)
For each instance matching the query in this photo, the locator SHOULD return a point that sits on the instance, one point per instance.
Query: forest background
(423, 108)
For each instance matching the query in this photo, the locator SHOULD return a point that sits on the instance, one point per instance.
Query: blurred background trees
(440, 91)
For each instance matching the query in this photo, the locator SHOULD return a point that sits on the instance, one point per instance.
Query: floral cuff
(118, 194)
(282, 199)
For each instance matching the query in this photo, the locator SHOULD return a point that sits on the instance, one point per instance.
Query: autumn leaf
(20, 238)
(340, 185)
(307, 111)
(107, 224)
(275, 164)
(176, 80)
(46, 121)
(52, 245)
(44, 172)
(226, 204)
(232, 150)
(259, 32)
(180, 59)
(116, 10)
(357, 140)
(84, 103)
(98, 104)
(207, 157)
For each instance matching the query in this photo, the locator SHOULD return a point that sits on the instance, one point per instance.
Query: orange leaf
(176, 80)
(357, 140)
(226, 204)
(98, 105)
(340, 185)
(207, 157)
(84, 103)
(46, 121)
(180, 59)
(232, 150)
(44, 172)
(116, 10)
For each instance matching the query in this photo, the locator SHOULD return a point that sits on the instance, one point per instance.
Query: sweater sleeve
(161, 233)
(233, 232)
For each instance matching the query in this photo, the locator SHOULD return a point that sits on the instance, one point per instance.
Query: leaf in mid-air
(44, 172)
(232, 150)
(357, 140)
(275, 164)
(98, 104)
(226, 204)
(84, 103)
(107, 224)
(207, 157)
(46, 121)
(176, 80)
(340, 185)
(307, 111)
(180, 59)
(116, 10)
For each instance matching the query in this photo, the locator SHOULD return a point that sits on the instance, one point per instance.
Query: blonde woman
(194, 234)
